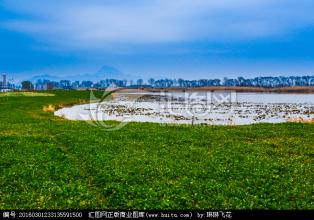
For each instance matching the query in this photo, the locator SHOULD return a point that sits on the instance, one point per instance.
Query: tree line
(264, 82)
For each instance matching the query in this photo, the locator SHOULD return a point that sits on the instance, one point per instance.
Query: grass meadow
(48, 162)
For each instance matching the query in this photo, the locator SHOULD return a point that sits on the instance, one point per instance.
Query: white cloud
(106, 24)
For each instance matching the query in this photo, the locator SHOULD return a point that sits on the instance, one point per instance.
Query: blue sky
(158, 38)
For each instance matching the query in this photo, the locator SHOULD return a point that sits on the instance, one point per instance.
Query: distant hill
(110, 72)
(105, 72)
(45, 76)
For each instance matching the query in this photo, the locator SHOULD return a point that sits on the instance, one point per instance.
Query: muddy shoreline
(283, 90)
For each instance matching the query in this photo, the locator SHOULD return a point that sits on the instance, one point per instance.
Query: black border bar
(159, 214)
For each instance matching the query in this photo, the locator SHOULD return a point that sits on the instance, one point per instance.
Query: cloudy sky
(178, 38)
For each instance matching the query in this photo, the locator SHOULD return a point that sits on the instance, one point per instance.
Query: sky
(158, 38)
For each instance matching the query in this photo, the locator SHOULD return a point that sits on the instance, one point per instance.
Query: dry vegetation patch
(302, 120)
(29, 94)
(49, 108)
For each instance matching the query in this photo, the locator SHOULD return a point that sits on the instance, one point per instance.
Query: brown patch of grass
(302, 120)
(28, 94)
(49, 108)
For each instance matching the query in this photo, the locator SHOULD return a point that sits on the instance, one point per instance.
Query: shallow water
(218, 108)
(254, 97)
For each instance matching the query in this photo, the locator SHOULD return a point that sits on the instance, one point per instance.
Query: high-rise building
(4, 81)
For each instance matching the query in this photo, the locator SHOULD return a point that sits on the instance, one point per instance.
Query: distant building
(5, 90)
(4, 81)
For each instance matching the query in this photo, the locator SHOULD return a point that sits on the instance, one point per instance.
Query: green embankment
(51, 163)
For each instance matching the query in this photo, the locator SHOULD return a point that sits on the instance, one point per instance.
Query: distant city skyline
(158, 38)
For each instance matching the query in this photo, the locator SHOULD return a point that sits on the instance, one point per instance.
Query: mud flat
(204, 108)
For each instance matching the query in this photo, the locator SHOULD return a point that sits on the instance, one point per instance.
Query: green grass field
(51, 163)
